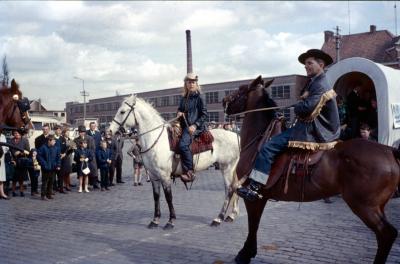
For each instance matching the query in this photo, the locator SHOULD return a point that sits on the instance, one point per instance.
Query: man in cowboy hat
(317, 125)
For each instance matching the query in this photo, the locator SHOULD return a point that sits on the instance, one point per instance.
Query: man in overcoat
(317, 126)
(117, 156)
(96, 135)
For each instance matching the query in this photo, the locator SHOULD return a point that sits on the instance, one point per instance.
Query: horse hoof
(215, 223)
(152, 225)
(168, 226)
(241, 260)
(229, 219)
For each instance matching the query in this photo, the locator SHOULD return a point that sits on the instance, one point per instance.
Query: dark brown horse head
(248, 97)
(14, 108)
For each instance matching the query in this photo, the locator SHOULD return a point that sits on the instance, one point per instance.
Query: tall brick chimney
(372, 28)
(189, 52)
(328, 35)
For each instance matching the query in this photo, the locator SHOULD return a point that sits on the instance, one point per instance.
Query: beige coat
(2, 162)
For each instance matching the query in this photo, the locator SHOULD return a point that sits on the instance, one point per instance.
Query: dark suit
(117, 156)
(40, 141)
(96, 136)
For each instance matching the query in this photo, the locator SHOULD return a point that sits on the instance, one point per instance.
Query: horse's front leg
(254, 213)
(235, 207)
(217, 221)
(168, 197)
(156, 195)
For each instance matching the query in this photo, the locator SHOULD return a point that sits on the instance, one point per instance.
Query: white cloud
(209, 18)
(140, 46)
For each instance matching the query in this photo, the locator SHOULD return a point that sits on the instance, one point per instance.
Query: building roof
(375, 45)
(36, 105)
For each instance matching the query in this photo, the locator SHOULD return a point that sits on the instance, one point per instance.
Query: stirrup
(248, 194)
(190, 187)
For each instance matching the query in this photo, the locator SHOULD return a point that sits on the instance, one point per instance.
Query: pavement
(111, 227)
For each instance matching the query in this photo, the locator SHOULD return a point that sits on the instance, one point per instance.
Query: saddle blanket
(200, 144)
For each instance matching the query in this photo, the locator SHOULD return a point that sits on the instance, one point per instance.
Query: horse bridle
(23, 106)
(121, 125)
(122, 129)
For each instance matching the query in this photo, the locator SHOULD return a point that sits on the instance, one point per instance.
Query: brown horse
(366, 182)
(14, 108)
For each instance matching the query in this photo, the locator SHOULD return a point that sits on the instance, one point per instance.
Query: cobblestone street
(110, 227)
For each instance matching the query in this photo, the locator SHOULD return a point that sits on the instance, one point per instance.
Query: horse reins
(132, 110)
(262, 109)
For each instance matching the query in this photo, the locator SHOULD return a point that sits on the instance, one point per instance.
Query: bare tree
(5, 72)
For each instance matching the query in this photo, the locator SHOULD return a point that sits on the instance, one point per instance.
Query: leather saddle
(295, 162)
(199, 144)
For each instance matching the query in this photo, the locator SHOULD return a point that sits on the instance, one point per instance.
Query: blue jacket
(195, 111)
(49, 157)
(102, 156)
(318, 117)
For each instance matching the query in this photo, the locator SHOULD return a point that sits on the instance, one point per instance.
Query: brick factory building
(284, 90)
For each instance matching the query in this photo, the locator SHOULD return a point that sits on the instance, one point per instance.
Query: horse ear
(256, 81)
(14, 87)
(268, 83)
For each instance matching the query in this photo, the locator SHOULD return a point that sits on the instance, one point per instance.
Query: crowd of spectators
(56, 157)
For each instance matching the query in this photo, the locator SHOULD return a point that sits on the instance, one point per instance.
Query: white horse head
(124, 115)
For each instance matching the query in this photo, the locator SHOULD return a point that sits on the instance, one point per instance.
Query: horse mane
(148, 107)
(269, 102)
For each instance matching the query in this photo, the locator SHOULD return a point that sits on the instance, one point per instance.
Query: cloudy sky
(128, 47)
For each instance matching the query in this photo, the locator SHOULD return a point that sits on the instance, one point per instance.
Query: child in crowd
(104, 163)
(365, 132)
(34, 171)
(49, 160)
(134, 152)
(82, 158)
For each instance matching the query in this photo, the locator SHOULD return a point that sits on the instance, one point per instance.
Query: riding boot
(251, 192)
(189, 176)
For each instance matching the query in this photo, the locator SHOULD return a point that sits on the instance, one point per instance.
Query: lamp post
(84, 94)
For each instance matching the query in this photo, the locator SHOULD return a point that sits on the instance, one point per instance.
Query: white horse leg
(156, 195)
(168, 197)
(235, 206)
(217, 221)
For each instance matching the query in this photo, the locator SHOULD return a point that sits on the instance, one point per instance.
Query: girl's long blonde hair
(185, 90)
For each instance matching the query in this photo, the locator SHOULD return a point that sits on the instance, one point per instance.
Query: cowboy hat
(191, 77)
(316, 53)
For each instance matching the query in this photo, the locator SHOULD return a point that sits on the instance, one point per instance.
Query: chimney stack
(328, 35)
(189, 52)
(372, 28)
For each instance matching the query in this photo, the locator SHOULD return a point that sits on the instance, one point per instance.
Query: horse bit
(122, 129)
